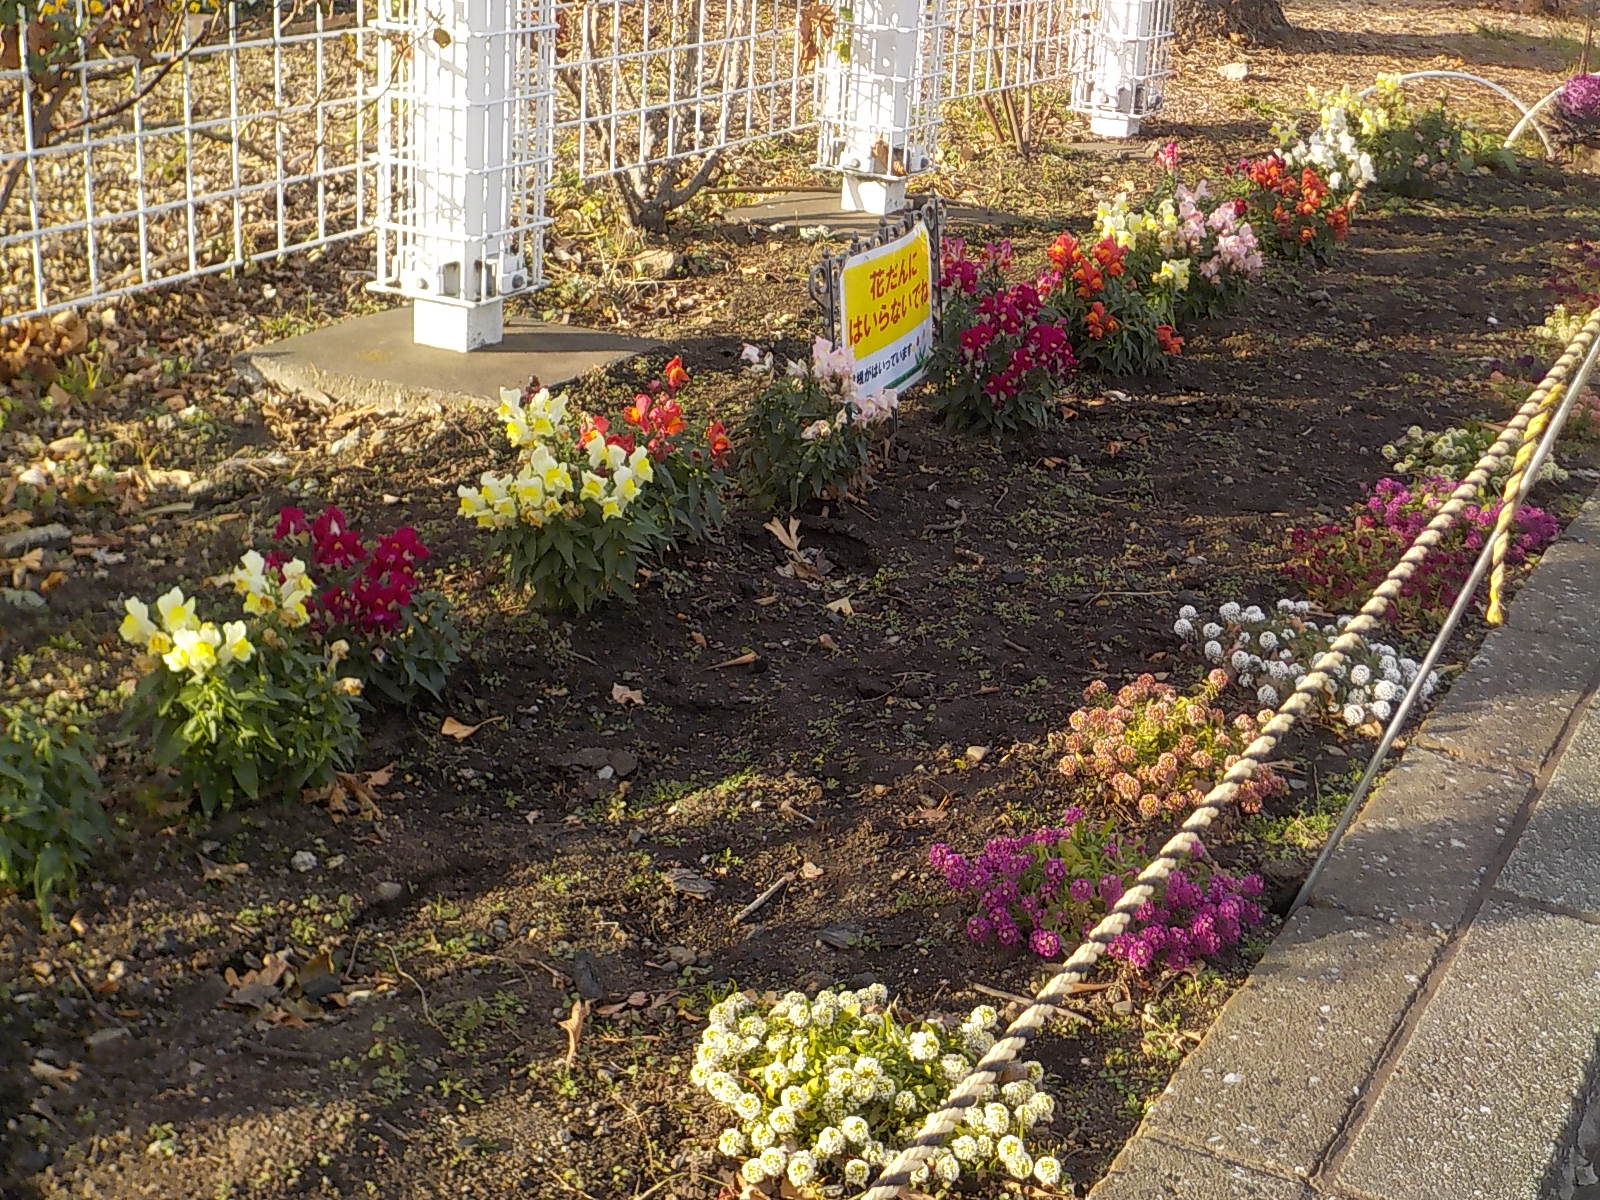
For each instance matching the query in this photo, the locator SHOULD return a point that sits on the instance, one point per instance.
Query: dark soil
(535, 860)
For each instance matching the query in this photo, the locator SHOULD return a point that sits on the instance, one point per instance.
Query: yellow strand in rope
(1495, 614)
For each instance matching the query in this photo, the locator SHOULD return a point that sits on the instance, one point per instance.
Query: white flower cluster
(1272, 652)
(828, 1091)
(1453, 453)
(1331, 149)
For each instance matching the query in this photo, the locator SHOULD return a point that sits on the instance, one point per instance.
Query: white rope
(1308, 694)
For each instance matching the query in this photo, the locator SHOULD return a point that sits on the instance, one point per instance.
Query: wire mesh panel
(145, 145)
(644, 83)
(997, 45)
(464, 147)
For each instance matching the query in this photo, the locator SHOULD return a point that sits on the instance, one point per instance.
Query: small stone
(871, 688)
(1236, 72)
(303, 861)
(624, 763)
(587, 979)
(606, 772)
(841, 937)
(1013, 576)
(681, 956)
(109, 1045)
(389, 890)
(976, 754)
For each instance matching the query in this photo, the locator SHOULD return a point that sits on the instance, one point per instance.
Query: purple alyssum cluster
(1199, 915)
(1050, 887)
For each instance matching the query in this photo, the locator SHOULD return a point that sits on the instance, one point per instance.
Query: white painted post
(1121, 67)
(459, 263)
(867, 104)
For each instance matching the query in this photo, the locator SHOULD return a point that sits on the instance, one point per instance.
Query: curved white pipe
(1488, 83)
(1527, 118)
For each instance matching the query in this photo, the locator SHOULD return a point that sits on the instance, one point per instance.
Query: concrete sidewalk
(1428, 1028)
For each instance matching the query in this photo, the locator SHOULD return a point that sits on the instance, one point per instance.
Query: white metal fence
(146, 144)
(191, 145)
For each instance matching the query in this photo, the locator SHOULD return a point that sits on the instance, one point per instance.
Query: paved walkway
(1428, 1028)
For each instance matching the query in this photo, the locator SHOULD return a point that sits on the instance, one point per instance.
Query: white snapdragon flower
(754, 1173)
(857, 1171)
(783, 1120)
(830, 1141)
(762, 1135)
(732, 1143)
(1268, 640)
(1211, 630)
(1213, 651)
(1381, 709)
(1229, 611)
(1047, 1170)
(773, 1160)
(855, 1130)
(996, 1118)
(923, 1047)
(1267, 695)
(1183, 627)
(1188, 612)
(748, 1106)
(954, 1067)
(1386, 689)
(946, 1168)
(1360, 675)
(1353, 715)
(1240, 661)
(965, 1148)
(796, 1098)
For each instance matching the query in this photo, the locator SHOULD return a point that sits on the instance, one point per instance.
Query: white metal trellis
(1120, 55)
(463, 160)
(235, 137)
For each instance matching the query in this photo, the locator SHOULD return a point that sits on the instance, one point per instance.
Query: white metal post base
(458, 327)
(876, 196)
(1114, 125)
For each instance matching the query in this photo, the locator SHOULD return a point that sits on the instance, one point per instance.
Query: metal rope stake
(941, 1123)
(1457, 610)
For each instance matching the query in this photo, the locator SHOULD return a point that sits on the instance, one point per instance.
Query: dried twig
(782, 882)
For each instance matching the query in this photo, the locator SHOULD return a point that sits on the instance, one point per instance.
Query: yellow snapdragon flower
(137, 628)
(176, 612)
(194, 649)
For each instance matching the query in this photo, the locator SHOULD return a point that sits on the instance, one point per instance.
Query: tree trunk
(1254, 20)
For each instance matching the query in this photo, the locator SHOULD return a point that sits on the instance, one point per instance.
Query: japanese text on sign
(887, 312)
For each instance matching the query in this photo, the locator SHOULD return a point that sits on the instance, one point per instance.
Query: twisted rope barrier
(1519, 434)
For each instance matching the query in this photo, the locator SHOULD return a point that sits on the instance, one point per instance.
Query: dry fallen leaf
(453, 728)
(215, 872)
(574, 1027)
(788, 536)
(626, 695)
(810, 870)
(742, 660)
(842, 607)
(827, 643)
(699, 639)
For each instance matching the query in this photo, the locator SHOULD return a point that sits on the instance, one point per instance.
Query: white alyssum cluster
(1453, 453)
(1270, 653)
(826, 1091)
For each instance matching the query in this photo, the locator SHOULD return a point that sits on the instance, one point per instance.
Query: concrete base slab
(372, 360)
(1512, 706)
(805, 208)
(1420, 849)
(1557, 600)
(1279, 1070)
(1149, 1169)
(1551, 862)
(1480, 1104)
